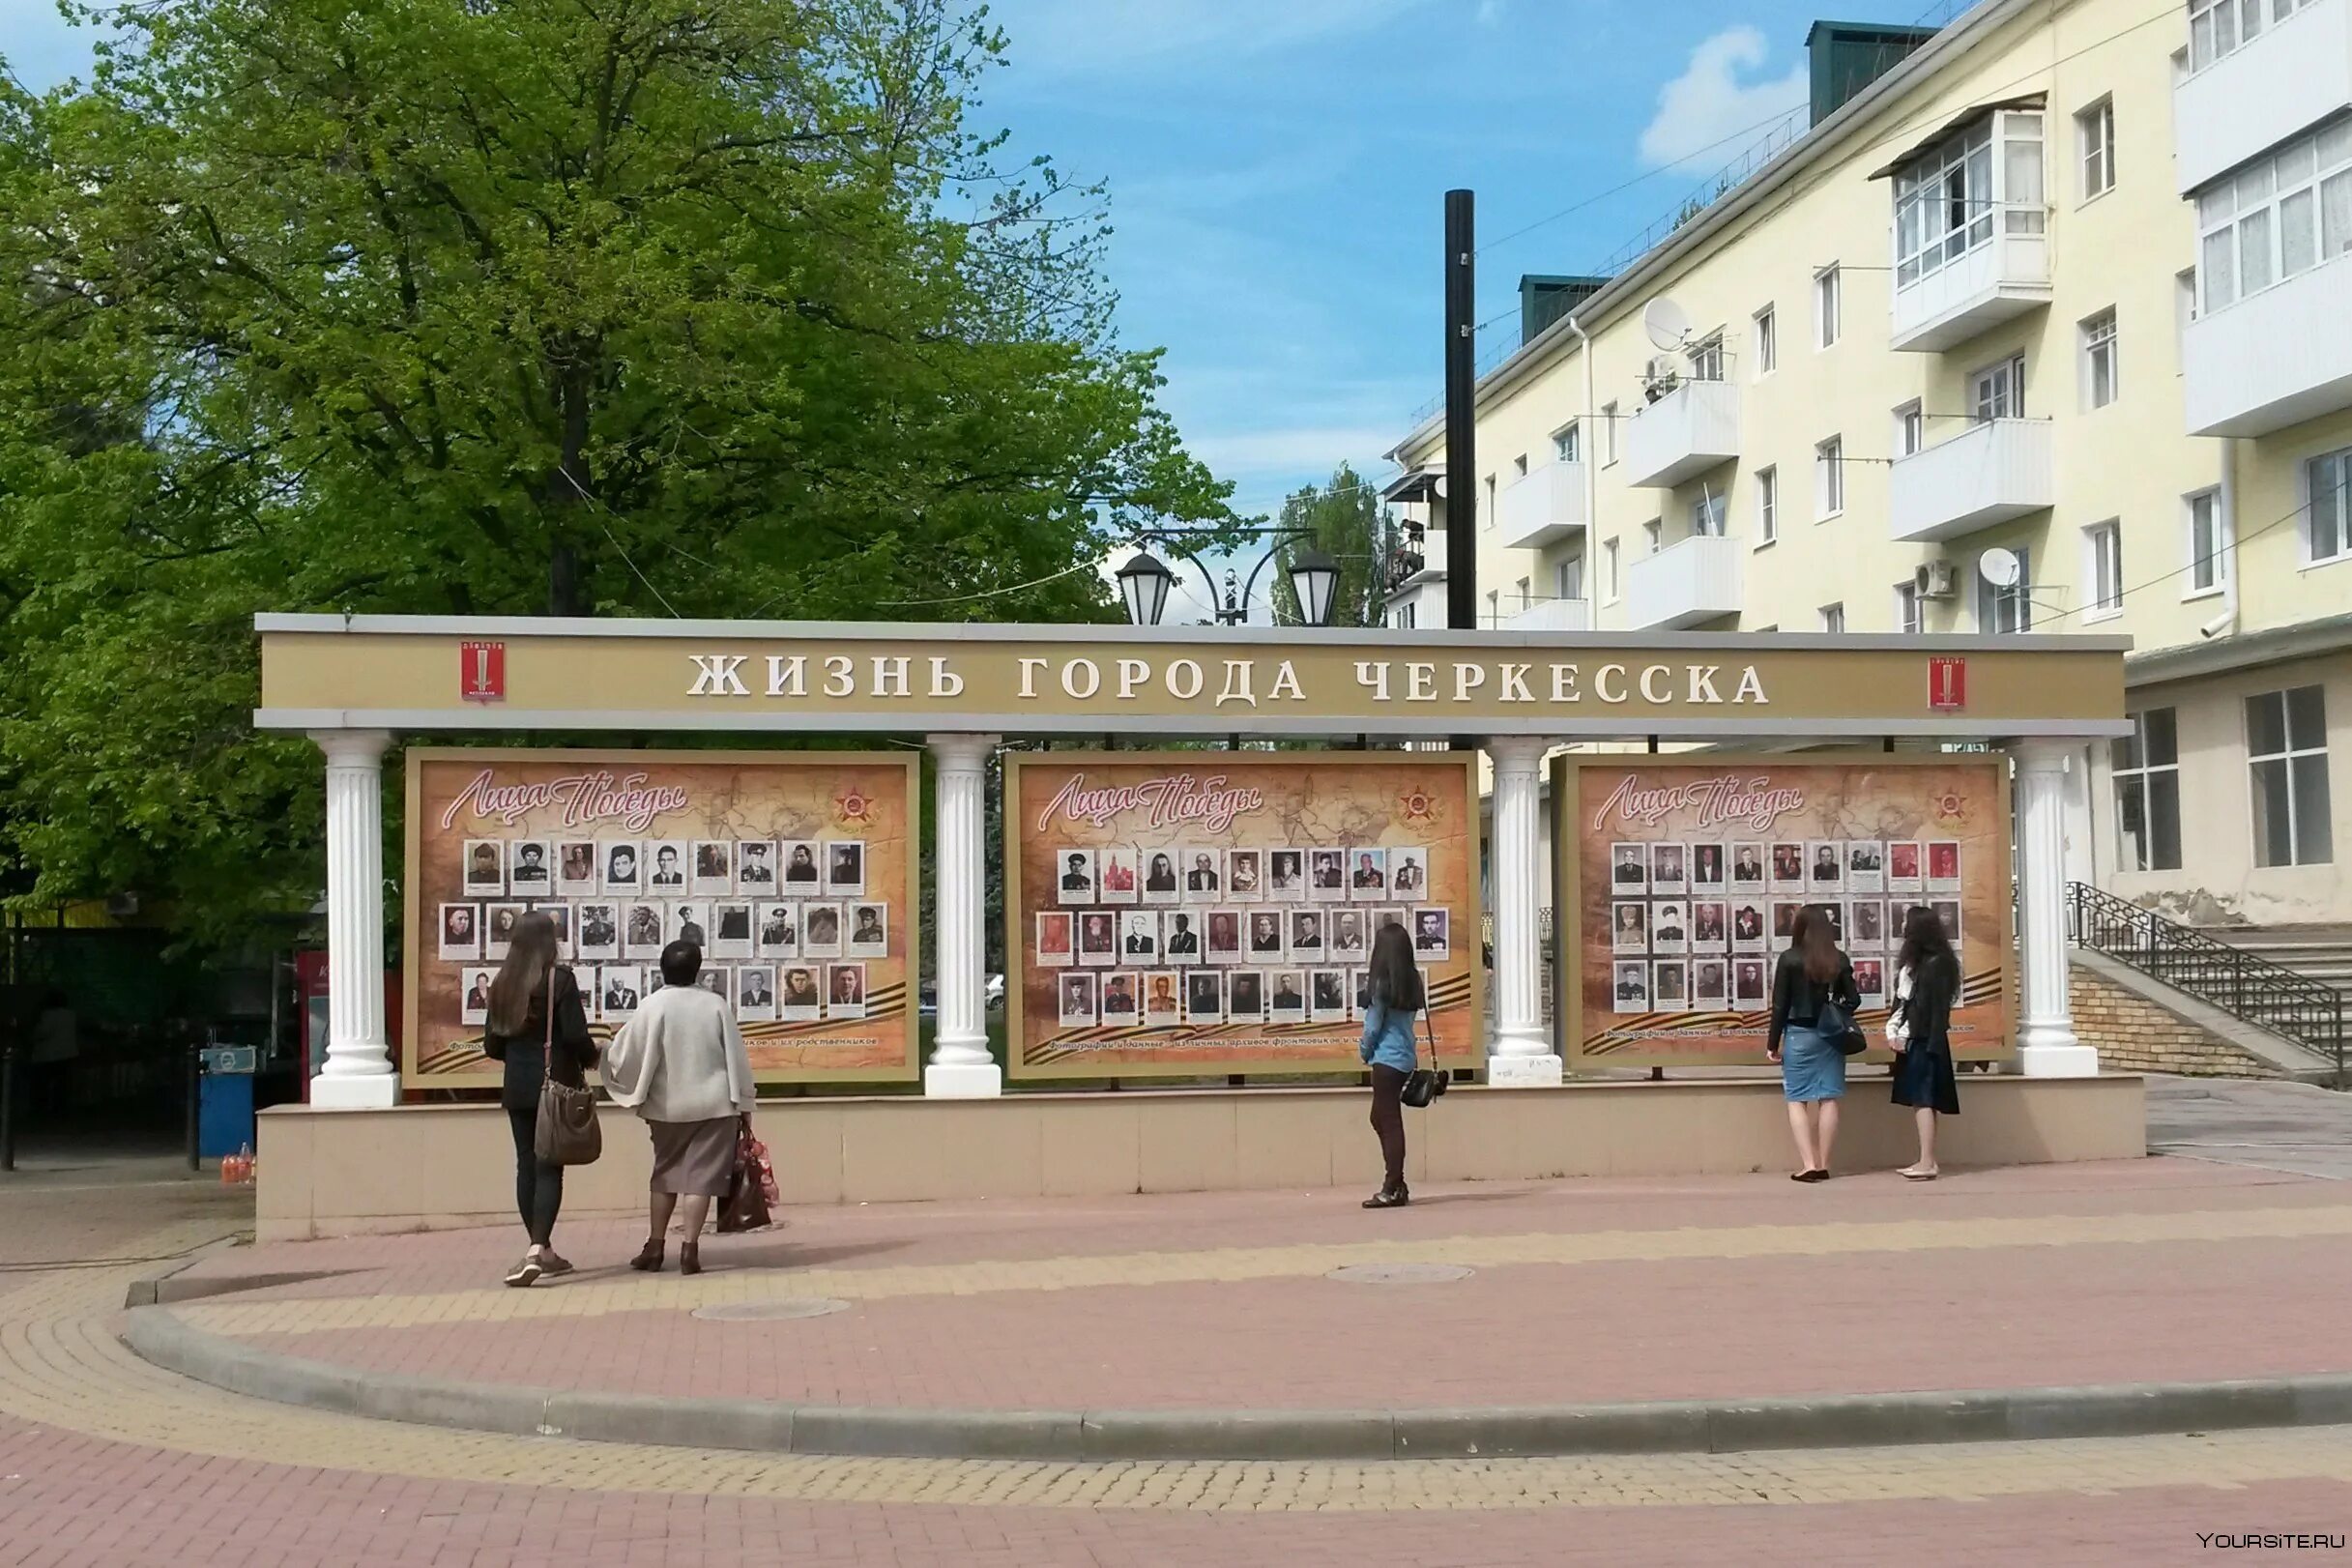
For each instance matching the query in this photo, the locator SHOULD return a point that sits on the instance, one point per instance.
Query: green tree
(1345, 519)
(573, 306)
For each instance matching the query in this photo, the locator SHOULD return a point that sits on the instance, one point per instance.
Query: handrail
(2250, 989)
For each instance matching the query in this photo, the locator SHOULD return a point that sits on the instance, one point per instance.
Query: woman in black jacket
(1927, 981)
(529, 985)
(1811, 975)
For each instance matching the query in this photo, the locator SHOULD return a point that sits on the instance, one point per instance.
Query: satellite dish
(2000, 567)
(1667, 324)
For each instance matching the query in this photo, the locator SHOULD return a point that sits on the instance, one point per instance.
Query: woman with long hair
(1927, 981)
(1812, 975)
(1393, 994)
(530, 988)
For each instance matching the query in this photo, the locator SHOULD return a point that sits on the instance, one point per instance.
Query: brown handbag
(568, 1131)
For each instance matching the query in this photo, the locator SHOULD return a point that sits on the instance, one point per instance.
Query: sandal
(649, 1258)
(690, 1258)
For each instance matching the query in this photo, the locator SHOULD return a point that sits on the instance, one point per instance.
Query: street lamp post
(1145, 580)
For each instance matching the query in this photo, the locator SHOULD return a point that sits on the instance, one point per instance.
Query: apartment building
(2046, 325)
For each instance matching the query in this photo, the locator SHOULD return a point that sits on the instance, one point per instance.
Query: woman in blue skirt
(1811, 972)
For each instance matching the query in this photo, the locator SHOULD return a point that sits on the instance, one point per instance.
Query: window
(2276, 217)
(2099, 366)
(2327, 511)
(1767, 506)
(1653, 536)
(2219, 27)
(1708, 360)
(1407, 616)
(1707, 514)
(1609, 434)
(2147, 769)
(1833, 618)
(1951, 198)
(1907, 619)
(2095, 145)
(1568, 578)
(1608, 569)
(2011, 608)
(1911, 427)
(1767, 343)
(2208, 542)
(2103, 566)
(1486, 518)
(1998, 390)
(1826, 315)
(1829, 478)
(1568, 444)
(2286, 745)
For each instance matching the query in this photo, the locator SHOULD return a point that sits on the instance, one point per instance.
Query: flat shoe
(525, 1274)
(552, 1266)
(1918, 1175)
(647, 1259)
(1811, 1175)
(1397, 1198)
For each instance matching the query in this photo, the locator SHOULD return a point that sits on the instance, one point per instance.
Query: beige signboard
(407, 673)
(1183, 915)
(1680, 883)
(794, 872)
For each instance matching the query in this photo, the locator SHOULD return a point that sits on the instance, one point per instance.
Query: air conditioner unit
(1935, 579)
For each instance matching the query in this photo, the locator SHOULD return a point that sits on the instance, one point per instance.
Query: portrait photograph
(1389, 916)
(598, 937)
(474, 1003)
(755, 993)
(1432, 934)
(844, 868)
(529, 868)
(1669, 871)
(1948, 910)
(1630, 991)
(1203, 881)
(1265, 935)
(1825, 866)
(1669, 986)
(497, 923)
(1366, 875)
(1056, 943)
(1327, 875)
(1629, 868)
(1098, 937)
(869, 931)
(1706, 865)
(1670, 927)
(755, 866)
(1139, 939)
(1076, 882)
(845, 990)
(1866, 925)
(620, 987)
(1205, 997)
(1408, 873)
(1748, 868)
(1162, 1002)
(802, 997)
(666, 868)
(1748, 981)
(1287, 874)
(575, 867)
(1708, 928)
(1181, 938)
(799, 858)
(1351, 933)
(1943, 866)
(1285, 999)
(460, 931)
(1121, 1003)
(1161, 884)
(1328, 996)
(1902, 866)
(689, 922)
(1246, 997)
(1306, 934)
(1865, 866)
(820, 930)
(719, 980)
(731, 928)
(643, 931)
(1122, 876)
(1244, 875)
(1788, 874)
(1869, 978)
(1629, 927)
(1748, 925)
(713, 866)
(1077, 1001)
(561, 915)
(776, 930)
(1709, 981)
(485, 865)
(623, 872)
(1784, 920)
(1834, 911)
(1224, 936)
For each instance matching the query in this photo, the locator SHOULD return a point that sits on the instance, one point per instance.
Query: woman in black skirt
(1927, 981)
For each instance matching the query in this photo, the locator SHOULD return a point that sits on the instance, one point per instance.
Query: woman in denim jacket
(1393, 995)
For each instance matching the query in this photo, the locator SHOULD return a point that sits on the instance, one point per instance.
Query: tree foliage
(471, 307)
(1346, 520)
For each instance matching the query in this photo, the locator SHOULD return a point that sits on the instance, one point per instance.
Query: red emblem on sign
(1417, 806)
(1947, 683)
(481, 672)
(854, 806)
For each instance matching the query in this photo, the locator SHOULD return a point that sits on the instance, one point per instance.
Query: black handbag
(1423, 1084)
(1834, 1022)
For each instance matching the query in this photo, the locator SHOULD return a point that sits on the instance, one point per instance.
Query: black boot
(1396, 1197)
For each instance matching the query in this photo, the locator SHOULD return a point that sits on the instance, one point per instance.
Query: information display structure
(1186, 914)
(794, 872)
(1682, 883)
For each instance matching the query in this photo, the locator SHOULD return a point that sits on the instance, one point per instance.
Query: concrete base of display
(1525, 1072)
(356, 1172)
(356, 1092)
(963, 1081)
(2072, 1060)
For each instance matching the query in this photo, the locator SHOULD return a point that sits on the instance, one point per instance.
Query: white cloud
(1709, 101)
(1060, 36)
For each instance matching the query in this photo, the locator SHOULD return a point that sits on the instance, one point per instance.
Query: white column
(357, 1074)
(960, 1065)
(2046, 1046)
(1521, 1054)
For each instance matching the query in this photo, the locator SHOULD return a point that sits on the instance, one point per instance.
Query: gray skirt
(692, 1158)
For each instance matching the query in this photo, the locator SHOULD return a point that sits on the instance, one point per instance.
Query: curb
(160, 1336)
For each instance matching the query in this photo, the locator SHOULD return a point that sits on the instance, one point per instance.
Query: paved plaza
(2167, 1268)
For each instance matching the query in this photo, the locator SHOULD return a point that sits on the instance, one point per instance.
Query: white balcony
(1418, 561)
(2004, 277)
(2276, 357)
(1988, 473)
(1542, 506)
(1691, 429)
(2294, 74)
(1684, 584)
(1550, 615)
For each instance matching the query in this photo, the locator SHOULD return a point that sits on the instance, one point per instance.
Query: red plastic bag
(754, 1154)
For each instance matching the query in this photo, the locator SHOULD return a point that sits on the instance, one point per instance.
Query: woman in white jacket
(682, 1065)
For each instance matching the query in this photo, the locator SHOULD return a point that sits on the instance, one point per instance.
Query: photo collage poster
(793, 872)
(1689, 879)
(1183, 914)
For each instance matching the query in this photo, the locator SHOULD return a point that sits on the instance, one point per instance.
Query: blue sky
(1276, 175)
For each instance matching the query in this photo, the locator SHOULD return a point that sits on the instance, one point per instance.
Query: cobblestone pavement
(106, 1460)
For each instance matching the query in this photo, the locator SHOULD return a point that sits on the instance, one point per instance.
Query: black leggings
(538, 1187)
(1389, 1121)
